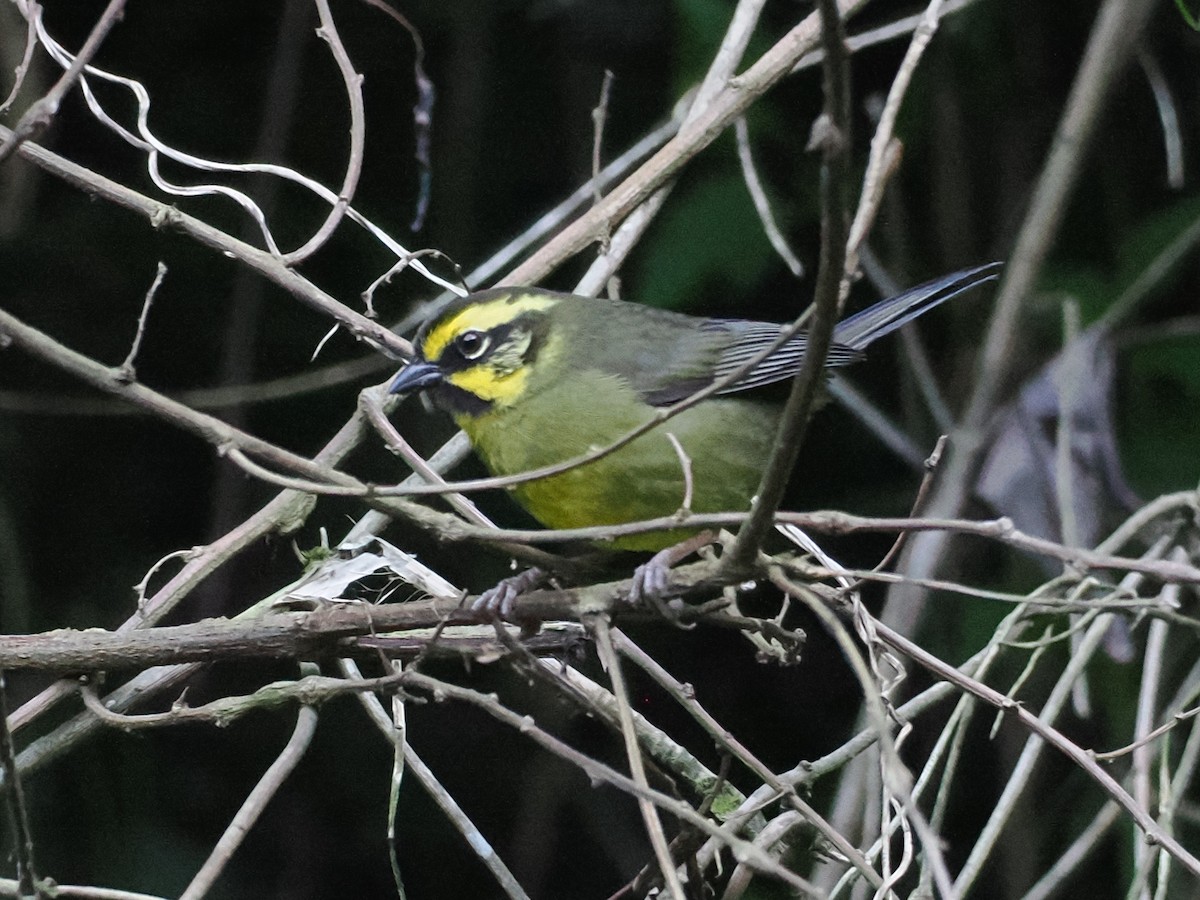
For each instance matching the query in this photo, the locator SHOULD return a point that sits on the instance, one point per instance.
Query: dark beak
(414, 377)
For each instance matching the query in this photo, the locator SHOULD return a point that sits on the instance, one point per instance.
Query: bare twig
(1167, 115)
(599, 118)
(22, 68)
(353, 81)
(835, 522)
(658, 839)
(725, 739)
(1052, 736)
(1141, 774)
(14, 797)
(437, 791)
(931, 467)
(598, 772)
(1113, 37)
(126, 369)
(831, 134)
(371, 402)
(161, 215)
(762, 203)
(685, 465)
(252, 807)
(884, 156)
(39, 116)
(10, 888)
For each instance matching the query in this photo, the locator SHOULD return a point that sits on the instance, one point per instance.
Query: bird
(537, 377)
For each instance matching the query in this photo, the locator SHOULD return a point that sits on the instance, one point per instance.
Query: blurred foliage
(89, 502)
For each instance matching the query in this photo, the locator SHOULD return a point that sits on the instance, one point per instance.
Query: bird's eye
(472, 344)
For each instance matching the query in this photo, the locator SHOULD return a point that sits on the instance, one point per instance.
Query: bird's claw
(500, 601)
(651, 583)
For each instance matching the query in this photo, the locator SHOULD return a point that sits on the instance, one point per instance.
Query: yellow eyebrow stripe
(481, 317)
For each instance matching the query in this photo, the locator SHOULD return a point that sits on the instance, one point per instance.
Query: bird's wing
(751, 339)
(851, 336)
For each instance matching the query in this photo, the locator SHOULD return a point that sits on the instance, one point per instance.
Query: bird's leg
(501, 599)
(652, 580)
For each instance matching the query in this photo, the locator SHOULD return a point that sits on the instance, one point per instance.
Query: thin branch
(601, 773)
(371, 401)
(726, 740)
(252, 807)
(762, 203)
(1168, 116)
(161, 215)
(353, 81)
(835, 522)
(1114, 35)
(1141, 773)
(10, 888)
(475, 839)
(637, 769)
(1149, 737)
(18, 816)
(39, 116)
(126, 369)
(882, 160)
(1051, 736)
(399, 736)
(22, 68)
(729, 103)
(599, 118)
(831, 134)
(308, 691)
(931, 467)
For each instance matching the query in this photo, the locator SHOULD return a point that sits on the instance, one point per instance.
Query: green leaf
(1159, 451)
(708, 236)
(1167, 236)
(1193, 21)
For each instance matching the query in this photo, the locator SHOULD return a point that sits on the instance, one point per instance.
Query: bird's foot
(500, 601)
(652, 580)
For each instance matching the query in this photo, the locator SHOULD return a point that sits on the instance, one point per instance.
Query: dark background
(92, 495)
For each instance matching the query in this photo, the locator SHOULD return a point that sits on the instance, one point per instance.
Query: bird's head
(478, 354)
